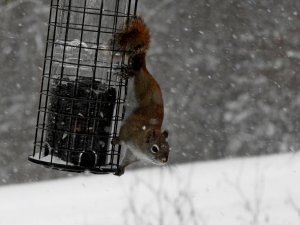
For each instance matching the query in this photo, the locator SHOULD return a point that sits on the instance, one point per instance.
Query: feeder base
(71, 167)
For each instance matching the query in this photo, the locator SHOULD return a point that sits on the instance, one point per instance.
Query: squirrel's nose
(164, 159)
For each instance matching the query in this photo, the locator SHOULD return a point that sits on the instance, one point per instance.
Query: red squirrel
(141, 134)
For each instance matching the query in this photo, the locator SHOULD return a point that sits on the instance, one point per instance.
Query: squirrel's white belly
(136, 151)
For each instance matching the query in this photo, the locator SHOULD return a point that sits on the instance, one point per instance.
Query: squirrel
(141, 134)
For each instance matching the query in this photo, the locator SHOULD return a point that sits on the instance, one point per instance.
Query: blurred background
(228, 71)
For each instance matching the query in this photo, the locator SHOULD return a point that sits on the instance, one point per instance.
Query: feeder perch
(82, 99)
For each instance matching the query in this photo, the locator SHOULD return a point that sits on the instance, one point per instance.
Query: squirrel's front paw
(116, 141)
(120, 171)
(125, 73)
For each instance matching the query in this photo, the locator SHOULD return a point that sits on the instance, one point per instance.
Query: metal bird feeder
(82, 97)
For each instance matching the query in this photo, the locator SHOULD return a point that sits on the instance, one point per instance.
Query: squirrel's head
(157, 147)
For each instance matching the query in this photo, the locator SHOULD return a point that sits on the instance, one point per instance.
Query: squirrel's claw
(120, 171)
(125, 73)
(116, 141)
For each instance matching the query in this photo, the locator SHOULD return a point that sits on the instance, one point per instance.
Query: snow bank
(260, 190)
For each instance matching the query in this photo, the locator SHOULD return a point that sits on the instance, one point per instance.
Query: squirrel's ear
(165, 133)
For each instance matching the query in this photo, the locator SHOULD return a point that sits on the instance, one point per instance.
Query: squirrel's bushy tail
(134, 38)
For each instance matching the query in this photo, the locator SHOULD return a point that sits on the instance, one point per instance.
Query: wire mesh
(82, 99)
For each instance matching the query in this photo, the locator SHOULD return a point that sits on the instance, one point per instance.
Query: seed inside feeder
(79, 121)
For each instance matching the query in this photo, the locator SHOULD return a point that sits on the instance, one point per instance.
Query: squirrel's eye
(155, 149)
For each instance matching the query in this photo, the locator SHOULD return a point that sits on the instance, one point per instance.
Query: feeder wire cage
(82, 98)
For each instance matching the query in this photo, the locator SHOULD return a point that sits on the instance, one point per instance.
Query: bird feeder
(82, 98)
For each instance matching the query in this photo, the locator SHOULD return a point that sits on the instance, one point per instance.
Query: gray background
(228, 70)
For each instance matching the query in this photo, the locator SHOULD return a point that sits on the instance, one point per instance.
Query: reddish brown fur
(149, 112)
(142, 128)
(135, 36)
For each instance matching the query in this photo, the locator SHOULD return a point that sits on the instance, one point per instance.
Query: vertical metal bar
(63, 62)
(110, 74)
(65, 42)
(49, 78)
(42, 84)
(76, 79)
(80, 47)
(98, 39)
(135, 7)
(95, 68)
(79, 59)
(128, 9)
(115, 21)
(117, 117)
(121, 86)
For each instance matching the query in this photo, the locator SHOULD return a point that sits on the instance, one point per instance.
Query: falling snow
(228, 71)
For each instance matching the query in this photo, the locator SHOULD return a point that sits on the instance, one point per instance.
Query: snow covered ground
(258, 190)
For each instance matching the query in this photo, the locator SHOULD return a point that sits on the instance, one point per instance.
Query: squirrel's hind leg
(127, 160)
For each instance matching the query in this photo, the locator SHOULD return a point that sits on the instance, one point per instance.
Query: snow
(51, 158)
(258, 190)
